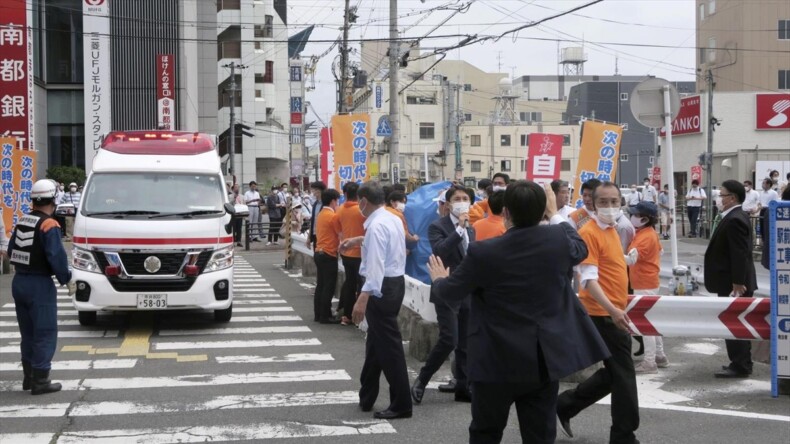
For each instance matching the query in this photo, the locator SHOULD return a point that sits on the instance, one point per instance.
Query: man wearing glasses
(729, 268)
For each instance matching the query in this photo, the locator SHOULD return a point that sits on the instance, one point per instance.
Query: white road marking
(702, 348)
(294, 357)
(191, 380)
(60, 304)
(64, 323)
(60, 313)
(69, 334)
(229, 432)
(246, 301)
(234, 331)
(706, 411)
(249, 280)
(249, 285)
(238, 295)
(264, 298)
(26, 438)
(250, 290)
(230, 402)
(98, 364)
(235, 344)
(245, 310)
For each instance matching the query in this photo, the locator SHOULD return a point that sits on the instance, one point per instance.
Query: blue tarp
(420, 213)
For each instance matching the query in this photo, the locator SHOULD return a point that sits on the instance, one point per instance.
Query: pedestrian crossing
(267, 360)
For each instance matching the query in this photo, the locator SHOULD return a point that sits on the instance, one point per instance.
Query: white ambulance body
(153, 227)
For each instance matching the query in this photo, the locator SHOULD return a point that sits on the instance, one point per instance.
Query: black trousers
(384, 349)
(617, 377)
(453, 323)
(326, 280)
(348, 293)
(536, 407)
(274, 228)
(739, 351)
(693, 218)
(237, 229)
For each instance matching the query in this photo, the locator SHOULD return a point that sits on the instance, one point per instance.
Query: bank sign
(689, 119)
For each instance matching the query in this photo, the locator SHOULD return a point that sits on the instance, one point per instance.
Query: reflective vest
(27, 251)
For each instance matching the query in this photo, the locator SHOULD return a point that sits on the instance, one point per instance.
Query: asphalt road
(272, 373)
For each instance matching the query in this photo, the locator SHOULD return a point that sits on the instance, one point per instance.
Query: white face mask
(400, 206)
(460, 208)
(637, 222)
(720, 204)
(748, 189)
(73, 189)
(607, 215)
(499, 188)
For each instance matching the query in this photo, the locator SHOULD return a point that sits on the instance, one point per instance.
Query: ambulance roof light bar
(158, 142)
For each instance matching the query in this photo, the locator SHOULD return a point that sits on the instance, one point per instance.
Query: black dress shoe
(389, 414)
(730, 373)
(448, 388)
(417, 391)
(365, 408)
(463, 396)
(565, 425)
(329, 321)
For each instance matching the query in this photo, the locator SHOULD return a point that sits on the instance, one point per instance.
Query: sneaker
(255, 240)
(268, 243)
(645, 367)
(662, 362)
(238, 244)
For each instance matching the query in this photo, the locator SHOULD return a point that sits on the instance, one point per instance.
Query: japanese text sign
(351, 134)
(16, 75)
(544, 156)
(688, 120)
(96, 65)
(779, 245)
(166, 91)
(326, 154)
(18, 175)
(598, 155)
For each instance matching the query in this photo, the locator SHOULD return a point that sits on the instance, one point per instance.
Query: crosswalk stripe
(258, 295)
(230, 402)
(245, 302)
(60, 313)
(228, 432)
(26, 438)
(98, 364)
(59, 304)
(253, 289)
(191, 380)
(235, 344)
(263, 299)
(68, 334)
(61, 322)
(234, 331)
(251, 285)
(246, 309)
(293, 357)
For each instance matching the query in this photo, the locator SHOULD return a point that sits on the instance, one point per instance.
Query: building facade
(744, 43)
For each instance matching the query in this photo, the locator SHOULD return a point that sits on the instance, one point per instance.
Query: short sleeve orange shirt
(644, 273)
(605, 252)
(349, 223)
(491, 226)
(326, 236)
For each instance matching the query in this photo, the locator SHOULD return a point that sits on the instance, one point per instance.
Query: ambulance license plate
(151, 301)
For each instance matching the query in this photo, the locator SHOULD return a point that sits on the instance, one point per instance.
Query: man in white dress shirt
(383, 267)
(649, 192)
(253, 200)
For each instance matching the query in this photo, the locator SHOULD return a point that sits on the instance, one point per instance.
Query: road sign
(296, 104)
(647, 102)
(383, 129)
(379, 94)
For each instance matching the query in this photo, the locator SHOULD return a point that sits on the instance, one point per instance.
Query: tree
(66, 175)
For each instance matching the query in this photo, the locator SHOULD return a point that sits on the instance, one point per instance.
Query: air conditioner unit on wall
(422, 174)
(385, 175)
(403, 174)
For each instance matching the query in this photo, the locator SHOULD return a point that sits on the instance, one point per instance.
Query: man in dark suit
(527, 327)
(729, 268)
(450, 237)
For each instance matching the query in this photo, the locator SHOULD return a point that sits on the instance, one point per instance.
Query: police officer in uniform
(37, 253)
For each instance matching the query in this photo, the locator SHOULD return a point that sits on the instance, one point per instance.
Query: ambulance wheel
(223, 315)
(87, 318)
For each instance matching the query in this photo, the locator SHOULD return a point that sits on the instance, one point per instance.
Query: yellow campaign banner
(18, 175)
(598, 155)
(351, 137)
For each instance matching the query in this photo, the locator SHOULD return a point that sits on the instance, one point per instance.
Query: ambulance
(153, 229)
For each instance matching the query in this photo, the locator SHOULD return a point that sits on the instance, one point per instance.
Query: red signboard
(773, 111)
(16, 76)
(166, 91)
(689, 119)
(696, 173)
(656, 177)
(544, 157)
(296, 118)
(326, 153)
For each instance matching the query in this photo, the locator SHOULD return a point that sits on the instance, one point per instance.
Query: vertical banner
(326, 155)
(297, 109)
(96, 55)
(18, 175)
(350, 134)
(166, 91)
(655, 178)
(598, 155)
(544, 156)
(16, 72)
(779, 245)
(696, 173)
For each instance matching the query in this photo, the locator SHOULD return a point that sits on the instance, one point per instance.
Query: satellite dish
(647, 102)
(224, 158)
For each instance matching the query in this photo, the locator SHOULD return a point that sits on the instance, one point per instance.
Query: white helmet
(43, 189)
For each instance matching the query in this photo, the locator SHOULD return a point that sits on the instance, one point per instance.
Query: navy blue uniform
(37, 253)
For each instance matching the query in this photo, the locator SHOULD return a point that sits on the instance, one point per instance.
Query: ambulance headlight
(83, 259)
(220, 260)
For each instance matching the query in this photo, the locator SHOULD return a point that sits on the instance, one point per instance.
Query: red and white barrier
(700, 316)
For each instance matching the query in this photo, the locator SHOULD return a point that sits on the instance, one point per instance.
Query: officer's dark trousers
(326, 281)
(348, 293)
(739, 351)
(35, 298)
(617, 377)
(453, 323)
(384, 348)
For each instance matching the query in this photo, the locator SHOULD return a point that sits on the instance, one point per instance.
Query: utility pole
(394, 101)
(232, 141)
(709, 154)
(342, 107)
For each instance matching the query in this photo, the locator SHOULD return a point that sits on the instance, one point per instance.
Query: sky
(655, 37)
